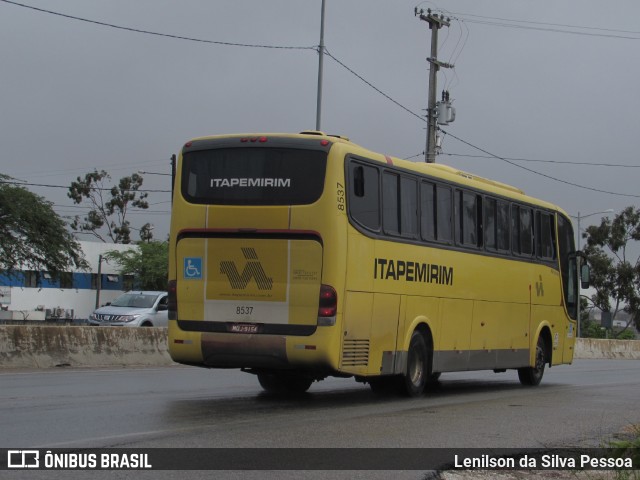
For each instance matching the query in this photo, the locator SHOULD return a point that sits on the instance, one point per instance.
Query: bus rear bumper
(254, 351)
(244, 351)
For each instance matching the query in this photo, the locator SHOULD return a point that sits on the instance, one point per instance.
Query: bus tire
(284, 383)
(415, 378)
(532, 376)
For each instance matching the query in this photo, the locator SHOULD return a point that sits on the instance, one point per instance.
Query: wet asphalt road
(578, 405)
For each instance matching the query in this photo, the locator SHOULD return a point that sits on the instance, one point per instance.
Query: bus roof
(436, 170)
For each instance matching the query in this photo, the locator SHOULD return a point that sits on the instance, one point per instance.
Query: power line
(474, 146)
(112, 168)
(21, 184)
(539, 173)
(552, 30)
(549, 24)
(565, 162)
(129, 210)
(388, 97)
(371, 85)
(158, 34)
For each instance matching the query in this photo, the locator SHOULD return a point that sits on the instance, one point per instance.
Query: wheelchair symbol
(193, 268)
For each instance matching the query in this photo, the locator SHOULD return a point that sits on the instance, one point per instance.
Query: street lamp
(579, 258)
(579, 217)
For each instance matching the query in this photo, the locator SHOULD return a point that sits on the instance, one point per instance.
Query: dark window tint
(468, 208)
(545, 236)
(435, 212)
(428, 211)
(502, 227)
(364, 196)
(253, 176)
(526, 231)
(515, 228)
(409, 207)
(568, 267)
(490, 224)
(522, 230)
(496, 225)
(390, 204)
(444, 211)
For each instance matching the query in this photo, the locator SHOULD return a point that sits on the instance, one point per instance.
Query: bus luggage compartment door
(257, 285)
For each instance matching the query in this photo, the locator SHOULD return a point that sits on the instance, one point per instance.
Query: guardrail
(46, 346)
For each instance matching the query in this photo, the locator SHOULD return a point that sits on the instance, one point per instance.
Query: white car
(134, 309)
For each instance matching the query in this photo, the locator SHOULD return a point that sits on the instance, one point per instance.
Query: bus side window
(358, 181)
(544, 236)
(502, 227)
(409, 207)
(428, 212)
(435, 212)
(522, 231)
(490, 224)
(390, 203)
(364, 196)
(515, 228)
(444, 229)
(568, 265)
(469, 223)
(526, 232)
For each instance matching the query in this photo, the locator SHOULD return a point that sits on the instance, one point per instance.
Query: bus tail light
(172, 302)
(328, 306)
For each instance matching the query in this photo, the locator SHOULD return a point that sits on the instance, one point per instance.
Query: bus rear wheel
(418, 362)
(284, 382)
(532, 376)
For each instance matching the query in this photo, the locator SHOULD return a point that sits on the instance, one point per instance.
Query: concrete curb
(26, 346)
(599, 348)
(34, 346)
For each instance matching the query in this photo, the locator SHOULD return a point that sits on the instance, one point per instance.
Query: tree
(615, 277)
(109, 210)
(32, 235)
(148, 263)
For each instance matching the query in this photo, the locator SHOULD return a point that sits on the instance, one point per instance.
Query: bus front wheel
(417, 373)
(532, 376)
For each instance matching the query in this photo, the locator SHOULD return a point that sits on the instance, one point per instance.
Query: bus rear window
(254, 176)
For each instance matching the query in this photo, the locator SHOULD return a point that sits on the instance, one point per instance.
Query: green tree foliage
(109, 206)
(148, 263)
(616, 277)
(32, 235)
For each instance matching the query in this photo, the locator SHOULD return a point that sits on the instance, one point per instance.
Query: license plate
(244, 328)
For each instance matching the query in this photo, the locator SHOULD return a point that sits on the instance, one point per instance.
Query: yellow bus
(301, 256)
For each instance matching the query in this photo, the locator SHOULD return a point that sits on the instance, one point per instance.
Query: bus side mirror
(585, 275)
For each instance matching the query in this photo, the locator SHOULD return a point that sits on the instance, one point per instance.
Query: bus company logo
(252, 269)
(250, 182)
(23, 459)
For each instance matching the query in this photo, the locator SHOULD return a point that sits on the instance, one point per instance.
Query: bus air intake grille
(355, 353)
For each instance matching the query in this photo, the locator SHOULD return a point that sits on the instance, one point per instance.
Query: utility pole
(435, 23)
(99, 281)
(320, 62)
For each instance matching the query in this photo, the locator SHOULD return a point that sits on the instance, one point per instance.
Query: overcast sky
(552, 81)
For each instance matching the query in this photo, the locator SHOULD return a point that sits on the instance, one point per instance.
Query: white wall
(81, 301)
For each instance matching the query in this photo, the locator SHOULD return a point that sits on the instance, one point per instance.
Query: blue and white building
(35, 295)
